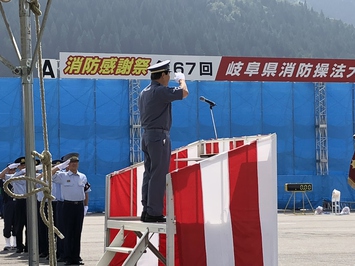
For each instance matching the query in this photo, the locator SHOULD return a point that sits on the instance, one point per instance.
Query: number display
(179, 67)
(298, 187)
(189, 68)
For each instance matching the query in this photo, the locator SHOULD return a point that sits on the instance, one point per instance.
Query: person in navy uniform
(42, 227)
(19, 187)
(58, 214)
(156, 119)
(9, 209)
(73, 191)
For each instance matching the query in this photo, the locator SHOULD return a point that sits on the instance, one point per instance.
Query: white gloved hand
(86, 210)
(63, 165)
(13, 165)
(178, 76)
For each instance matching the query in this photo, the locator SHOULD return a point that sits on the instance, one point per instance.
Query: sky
(337, 9)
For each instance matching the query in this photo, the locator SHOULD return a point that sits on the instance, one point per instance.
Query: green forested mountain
(268, 28)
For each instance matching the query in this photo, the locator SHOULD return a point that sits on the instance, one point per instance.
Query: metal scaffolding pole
(135, 125)
(27, 92)
(321, 129)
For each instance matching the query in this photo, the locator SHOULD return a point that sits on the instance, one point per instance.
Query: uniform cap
(74, 159)
(20, 160)
(160, 66)
(56, 162)
(73, 156)
(39, 166)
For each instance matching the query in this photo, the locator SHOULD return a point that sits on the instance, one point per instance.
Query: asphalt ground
(92, 244)
(303, 239)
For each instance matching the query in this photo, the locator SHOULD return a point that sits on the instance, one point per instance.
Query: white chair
(336, 201)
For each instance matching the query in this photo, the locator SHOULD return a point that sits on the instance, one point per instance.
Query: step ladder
(142, 230)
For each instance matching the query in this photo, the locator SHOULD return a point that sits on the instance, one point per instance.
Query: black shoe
(43, 255)
(60, 260)
(7, 248)
(144, 213)
(154, 219)
(19, 250)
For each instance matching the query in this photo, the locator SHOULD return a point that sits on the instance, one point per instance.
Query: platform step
(119, 249)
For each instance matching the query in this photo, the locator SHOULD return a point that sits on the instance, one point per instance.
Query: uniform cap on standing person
(20, 160)
(160, 66)
(73, 156)
(38, 165)
(56, 162)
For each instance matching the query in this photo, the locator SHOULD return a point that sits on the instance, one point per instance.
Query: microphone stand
(214, 125)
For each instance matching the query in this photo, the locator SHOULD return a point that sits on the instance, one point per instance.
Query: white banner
(134, 66)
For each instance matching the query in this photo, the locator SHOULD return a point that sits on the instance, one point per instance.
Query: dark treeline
(267, 28)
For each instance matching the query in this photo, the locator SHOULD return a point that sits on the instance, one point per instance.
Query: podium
(196, 222)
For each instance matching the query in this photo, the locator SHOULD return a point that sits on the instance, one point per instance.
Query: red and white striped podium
(221, 209)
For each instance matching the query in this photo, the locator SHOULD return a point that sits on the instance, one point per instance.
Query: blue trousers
(156, 146)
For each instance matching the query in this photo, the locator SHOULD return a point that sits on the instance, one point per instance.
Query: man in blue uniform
(9, 208)
(19, 187)
(58, 214)
(73, 191)
(156, 119)
(42, 228)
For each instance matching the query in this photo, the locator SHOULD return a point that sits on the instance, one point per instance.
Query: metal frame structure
(136, 155)
(321, 128)
(293, 195)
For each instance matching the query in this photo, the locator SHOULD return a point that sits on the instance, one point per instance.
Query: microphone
(207, 101)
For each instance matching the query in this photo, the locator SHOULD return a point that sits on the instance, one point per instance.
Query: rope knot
(47, 193)
(47, 158)
(35, 7)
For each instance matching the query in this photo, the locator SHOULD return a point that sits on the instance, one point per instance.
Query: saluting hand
(178, 76)
(63, 165)
(13, 165)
